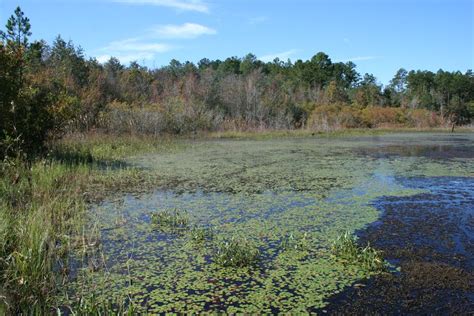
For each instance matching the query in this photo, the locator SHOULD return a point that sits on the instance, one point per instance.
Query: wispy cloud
(282, 56)
(186, 5)
(133, 44)
(358, 58)
(186, 30)
(146, 46)
(132, 49)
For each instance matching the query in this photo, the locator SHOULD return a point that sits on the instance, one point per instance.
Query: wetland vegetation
(232, 186)
(282, 218)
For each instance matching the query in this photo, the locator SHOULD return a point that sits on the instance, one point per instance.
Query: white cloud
(145, 47)
(186, 5)
(133, 44)
(186, 30)
(282, 56)
(132, 49)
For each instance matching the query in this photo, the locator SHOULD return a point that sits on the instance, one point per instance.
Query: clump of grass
(201, 234)
(236, 252)
(170, 219)
(94, 306)
(295, 241)
(345, 247)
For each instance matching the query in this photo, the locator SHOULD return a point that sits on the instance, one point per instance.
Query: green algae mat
(288, 199)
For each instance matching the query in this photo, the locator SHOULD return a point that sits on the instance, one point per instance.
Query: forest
(52, 89)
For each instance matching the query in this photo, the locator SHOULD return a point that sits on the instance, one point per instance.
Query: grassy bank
(268, 133)
(43, 212)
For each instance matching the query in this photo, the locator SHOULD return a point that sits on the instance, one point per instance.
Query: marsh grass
(95, 306)
(39, 205)
(201, 234)
(262, 134)
(296, 241)
(112, 147)
(171, 220)
(236, 252)
(43, 218)
(345, 247)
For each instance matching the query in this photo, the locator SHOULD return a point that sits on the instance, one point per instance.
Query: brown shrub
(383, 116)
(334, 117)
(422, 118)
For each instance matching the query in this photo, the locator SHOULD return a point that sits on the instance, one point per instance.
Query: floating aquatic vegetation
(270, 192)
(345, 247)
(236, 252)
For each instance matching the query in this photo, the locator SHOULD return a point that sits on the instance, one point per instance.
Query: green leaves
(170, 219)
(345, 247)
(236, 252)
(17, 30)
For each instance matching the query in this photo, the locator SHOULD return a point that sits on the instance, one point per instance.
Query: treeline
(47, 90)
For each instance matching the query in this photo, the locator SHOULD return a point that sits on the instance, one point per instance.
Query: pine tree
(17, 30)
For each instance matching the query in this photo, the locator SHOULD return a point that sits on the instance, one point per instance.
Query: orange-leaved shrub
(422, 118)
(375, 116)
(334, 116)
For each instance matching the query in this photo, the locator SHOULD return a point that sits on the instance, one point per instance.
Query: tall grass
(40, 204)
(42, 211)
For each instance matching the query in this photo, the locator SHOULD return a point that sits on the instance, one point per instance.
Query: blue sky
(380, 36)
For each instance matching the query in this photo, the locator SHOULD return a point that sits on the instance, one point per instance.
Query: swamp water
(394, 191)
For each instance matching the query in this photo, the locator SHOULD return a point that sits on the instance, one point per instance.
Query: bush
(173, 116)
(423, 118)
(383, 116)
(25, 116)
(333, 117)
